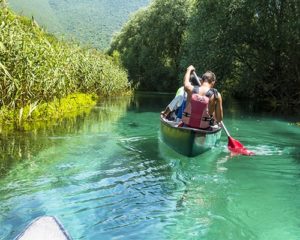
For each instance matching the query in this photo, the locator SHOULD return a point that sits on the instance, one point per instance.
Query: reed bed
(36, 68)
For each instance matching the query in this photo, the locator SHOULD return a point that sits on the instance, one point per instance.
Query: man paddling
(203, 108)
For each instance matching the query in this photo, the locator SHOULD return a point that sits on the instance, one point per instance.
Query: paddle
(197, 78)
(235, 146)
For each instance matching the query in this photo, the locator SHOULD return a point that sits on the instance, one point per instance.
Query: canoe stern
(188, 141)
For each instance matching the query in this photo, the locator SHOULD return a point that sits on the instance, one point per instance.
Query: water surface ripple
(109, 176)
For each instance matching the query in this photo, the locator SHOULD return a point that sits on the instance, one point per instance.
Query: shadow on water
(150, 102)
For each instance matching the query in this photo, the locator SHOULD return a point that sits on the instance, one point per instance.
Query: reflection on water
(107, 175)
(18, 146)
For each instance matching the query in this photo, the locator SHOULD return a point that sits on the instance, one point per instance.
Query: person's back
(203, 107)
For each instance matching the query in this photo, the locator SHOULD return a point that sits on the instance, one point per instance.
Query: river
(107, 175)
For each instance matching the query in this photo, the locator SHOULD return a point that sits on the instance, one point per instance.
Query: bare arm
(219, 108)
(188, 87)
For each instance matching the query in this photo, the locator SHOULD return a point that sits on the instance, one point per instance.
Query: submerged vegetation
(252, 46)
(32, 116)
(36, 69)
(26, 144)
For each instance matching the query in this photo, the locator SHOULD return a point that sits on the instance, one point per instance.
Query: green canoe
(188, 141)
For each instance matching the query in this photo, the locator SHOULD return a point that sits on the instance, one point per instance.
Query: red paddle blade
(236, 147)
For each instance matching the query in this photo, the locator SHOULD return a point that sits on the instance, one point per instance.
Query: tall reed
(36, 68)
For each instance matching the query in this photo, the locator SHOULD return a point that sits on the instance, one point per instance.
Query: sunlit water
(107, 175)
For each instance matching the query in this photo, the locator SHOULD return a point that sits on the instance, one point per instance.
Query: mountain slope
(41, 11)
(90, 22)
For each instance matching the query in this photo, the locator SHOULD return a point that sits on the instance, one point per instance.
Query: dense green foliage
(252, 46)
(89, 22)
(36, 68)
(149, 44)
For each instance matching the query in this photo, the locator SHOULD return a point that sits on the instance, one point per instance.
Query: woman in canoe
(203, 108)
(175, 108)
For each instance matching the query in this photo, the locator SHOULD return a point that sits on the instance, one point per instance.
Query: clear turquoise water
(107, 175)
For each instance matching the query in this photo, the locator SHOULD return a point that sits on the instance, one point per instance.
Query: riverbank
(43, 78)
(35, 115)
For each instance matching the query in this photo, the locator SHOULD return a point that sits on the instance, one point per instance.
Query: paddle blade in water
(236, 147)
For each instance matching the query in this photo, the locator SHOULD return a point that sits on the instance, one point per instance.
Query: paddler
(203, 109)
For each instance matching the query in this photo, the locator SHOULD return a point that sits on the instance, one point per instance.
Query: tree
(252, 45)
(150, 44)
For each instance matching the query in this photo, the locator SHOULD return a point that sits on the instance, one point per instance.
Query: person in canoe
(175, 108)
(203, 109)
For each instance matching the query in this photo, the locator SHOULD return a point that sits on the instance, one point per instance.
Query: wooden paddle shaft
(197, 78)
(225, 129)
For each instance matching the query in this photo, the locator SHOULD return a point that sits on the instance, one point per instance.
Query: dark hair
(194, 80)
(209, 76)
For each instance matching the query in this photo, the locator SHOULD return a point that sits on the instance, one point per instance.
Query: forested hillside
(89, 22)
(253, 47)
(41, 10)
